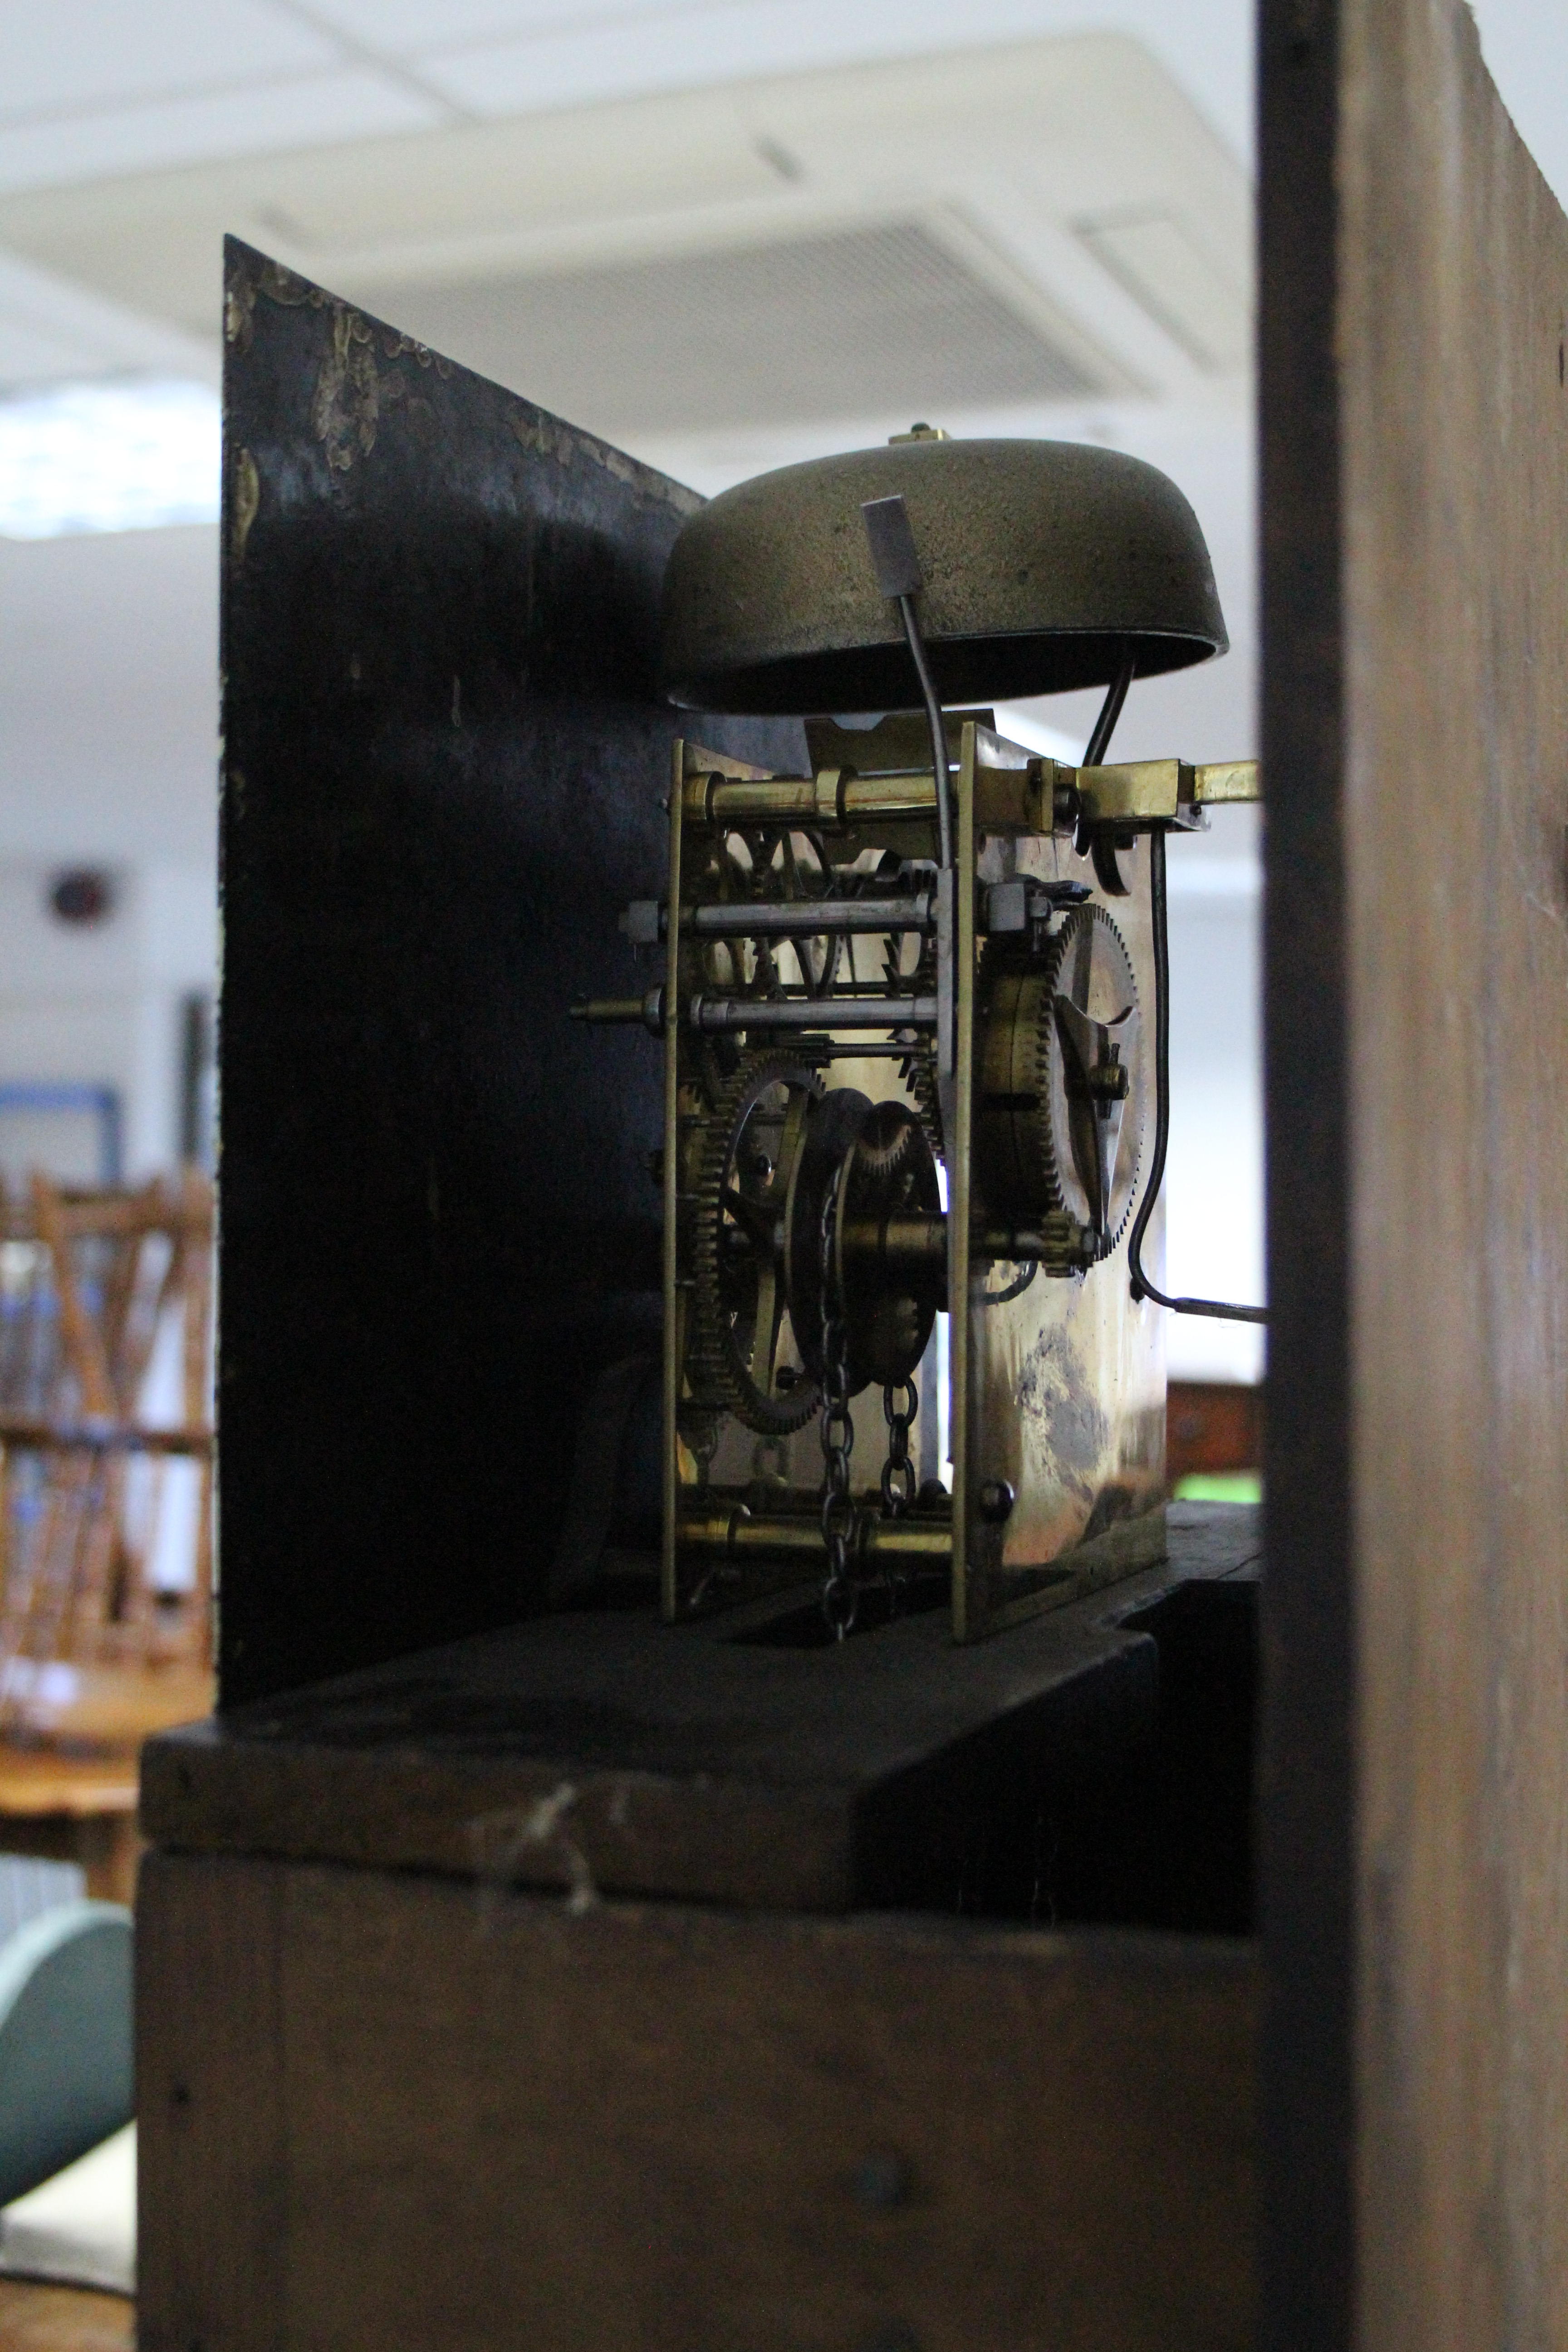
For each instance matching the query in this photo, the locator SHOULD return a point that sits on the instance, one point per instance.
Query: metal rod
(738, 1531)
(827, 802)
(938, 728)
(910, 1245)
(868, 1049)
(728, 1012)
(810, 918)
(900, 576)
(610, 1011)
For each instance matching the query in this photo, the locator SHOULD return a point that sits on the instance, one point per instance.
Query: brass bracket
(1139, 794)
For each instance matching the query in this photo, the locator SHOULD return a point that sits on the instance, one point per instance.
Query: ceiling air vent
(856, 322)
(1166, 270)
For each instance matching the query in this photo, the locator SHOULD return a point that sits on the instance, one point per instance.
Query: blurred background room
(722, 234)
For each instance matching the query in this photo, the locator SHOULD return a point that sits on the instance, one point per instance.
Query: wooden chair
(85, 1478)
(97, 1645)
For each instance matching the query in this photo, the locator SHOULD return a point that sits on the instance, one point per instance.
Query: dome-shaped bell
(1045, 562)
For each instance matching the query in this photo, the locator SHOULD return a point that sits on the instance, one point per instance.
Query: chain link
(701, 1436)
(901, 1479)
(838, 1599)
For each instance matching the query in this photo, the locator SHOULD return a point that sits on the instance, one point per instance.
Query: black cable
(1142, 1286)
(1098, 844)
(1099, 743)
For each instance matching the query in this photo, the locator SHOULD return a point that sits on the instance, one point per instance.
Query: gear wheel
(1035, 1136)
(888, 1307)
(918, 1072)
(887, 1142)
(889, 1171)
(743, 1353)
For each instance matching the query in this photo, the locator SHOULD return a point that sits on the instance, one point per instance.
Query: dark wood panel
(1415, 1794)
(518, 2123)
(1306, 1762)
(1090, 1763)
(210, 2145)
(443, 767)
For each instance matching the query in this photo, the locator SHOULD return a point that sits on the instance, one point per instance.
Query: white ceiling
(92, 88)
(1084, 161)
(1011, 189)
(1072, 180)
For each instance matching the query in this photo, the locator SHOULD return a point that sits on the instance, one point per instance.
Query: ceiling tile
(1164, 267)
(491, 178)
(562, 55)
(404, 27)
(1011, 146)
(266, 118)
(666, 44)
(75, 54)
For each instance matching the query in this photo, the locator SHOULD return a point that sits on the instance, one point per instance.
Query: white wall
(1213, 1186)
(108, 758)
(100, 1005)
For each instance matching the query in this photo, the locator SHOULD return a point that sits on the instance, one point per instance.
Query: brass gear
(743, 1160)
(920, 1075)
(1026, 1105)
(918, 1072)
(887, 1311)
(889, 1171)
(887, 1143)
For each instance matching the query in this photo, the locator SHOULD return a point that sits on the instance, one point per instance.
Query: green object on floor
(66, 2070)
(1220, 1486)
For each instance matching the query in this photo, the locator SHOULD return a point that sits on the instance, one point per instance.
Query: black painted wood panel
(443, 759)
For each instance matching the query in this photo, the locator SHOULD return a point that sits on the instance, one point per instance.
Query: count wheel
(744, 1353)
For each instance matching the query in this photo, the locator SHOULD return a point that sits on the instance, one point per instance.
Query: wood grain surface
(34, 2318)
(422, 2115)
(1415, 1789)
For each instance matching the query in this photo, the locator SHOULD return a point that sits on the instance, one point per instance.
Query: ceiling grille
(855, 322)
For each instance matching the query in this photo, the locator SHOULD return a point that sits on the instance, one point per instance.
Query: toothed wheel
(888, 1172)
(889, 1142)
(743, 1352)
(887, 1303)
(918, 1073)
(919, 1076)
(1059, 1099)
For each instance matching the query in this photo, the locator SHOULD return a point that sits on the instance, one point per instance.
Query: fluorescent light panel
(130, 455)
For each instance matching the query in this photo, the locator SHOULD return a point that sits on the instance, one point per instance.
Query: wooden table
(81, 1808)
(73, 1809)
(64, 2319)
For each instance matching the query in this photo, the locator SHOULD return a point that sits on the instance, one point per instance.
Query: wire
(1098, 844)
(1142, 1286)
(1099, 743)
